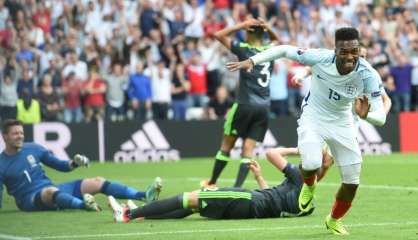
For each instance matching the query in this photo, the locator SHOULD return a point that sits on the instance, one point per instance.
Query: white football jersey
(331, 95)
(355, 116)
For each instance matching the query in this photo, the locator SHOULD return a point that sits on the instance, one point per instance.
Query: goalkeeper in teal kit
(22, 174)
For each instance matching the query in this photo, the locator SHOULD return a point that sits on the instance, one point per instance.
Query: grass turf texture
(386, 206)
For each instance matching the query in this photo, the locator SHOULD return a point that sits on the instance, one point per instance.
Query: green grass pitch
(386, 206)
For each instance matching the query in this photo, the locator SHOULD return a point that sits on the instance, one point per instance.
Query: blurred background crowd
(84, 60)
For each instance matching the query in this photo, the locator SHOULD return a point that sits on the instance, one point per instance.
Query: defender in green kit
(248, 117)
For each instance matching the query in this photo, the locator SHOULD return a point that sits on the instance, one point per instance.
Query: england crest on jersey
(350, 89)
(31, 160)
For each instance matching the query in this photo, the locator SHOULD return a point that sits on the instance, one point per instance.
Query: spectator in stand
(220, 104)
(8, 92)
(26, 83)
(45, 57)
(211, 58)
(139, 93)
(8, 36)
(75, 65)
(28, 109)
(413, 56)
(197, 16)
(180, 88)
(388, 82)
(189, 50)
(25, 51)
(93, 17)
(178, 25)
(4, 15)
(278, 89)
(196, 71)
(148, 16)
(402, 75)
(94, 90)
(54, 71)
(71, 89)
(35, 34)
(160, 89)
(211, 24)
(221, 8)
(41, 17)
(117, 83)
(49, 100)
(8, 97)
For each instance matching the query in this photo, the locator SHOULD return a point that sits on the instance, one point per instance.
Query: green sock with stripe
(160, 207)
(242, 172)
(222, 158)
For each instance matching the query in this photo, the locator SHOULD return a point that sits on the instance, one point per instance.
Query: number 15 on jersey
(334, 95)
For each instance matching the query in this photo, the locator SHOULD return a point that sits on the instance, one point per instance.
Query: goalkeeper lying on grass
(21, 171)
(232, 203)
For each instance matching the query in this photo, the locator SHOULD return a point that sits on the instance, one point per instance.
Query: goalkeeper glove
(80, 160)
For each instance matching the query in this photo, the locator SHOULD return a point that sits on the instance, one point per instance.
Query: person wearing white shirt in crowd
(75, 65)
(117, 83)
(161, 89)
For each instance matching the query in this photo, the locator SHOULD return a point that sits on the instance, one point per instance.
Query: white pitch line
(110, 235)
(13, 237)
(230, 180)
(387, 187)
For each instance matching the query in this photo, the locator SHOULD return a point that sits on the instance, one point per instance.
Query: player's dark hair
(257, 31)
(8, 123)
(346, 34)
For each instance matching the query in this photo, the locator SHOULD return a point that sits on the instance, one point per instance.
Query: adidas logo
(259, 150)
(146, 145)
(370, 141)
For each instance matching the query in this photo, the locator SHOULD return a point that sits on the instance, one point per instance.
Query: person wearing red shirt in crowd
(71, 88)
(196, 71)
(211, 24)
(7, 35)
(42, 18)
(94, 90)
(221, 8)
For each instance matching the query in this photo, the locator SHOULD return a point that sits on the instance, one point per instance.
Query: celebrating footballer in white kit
(338, 78)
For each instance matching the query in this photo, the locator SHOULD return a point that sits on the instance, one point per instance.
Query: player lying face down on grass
(231, 203)
(22, 173)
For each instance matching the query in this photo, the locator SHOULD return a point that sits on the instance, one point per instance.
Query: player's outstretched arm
(49, 159)
(52, 161)
(372, 111)
(256, 169)
(223, 35)
(298, 78)
(377, 114)
(276, 156)
(280, 51)
(387, 102)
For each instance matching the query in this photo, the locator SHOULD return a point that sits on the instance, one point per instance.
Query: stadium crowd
(83, 60)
